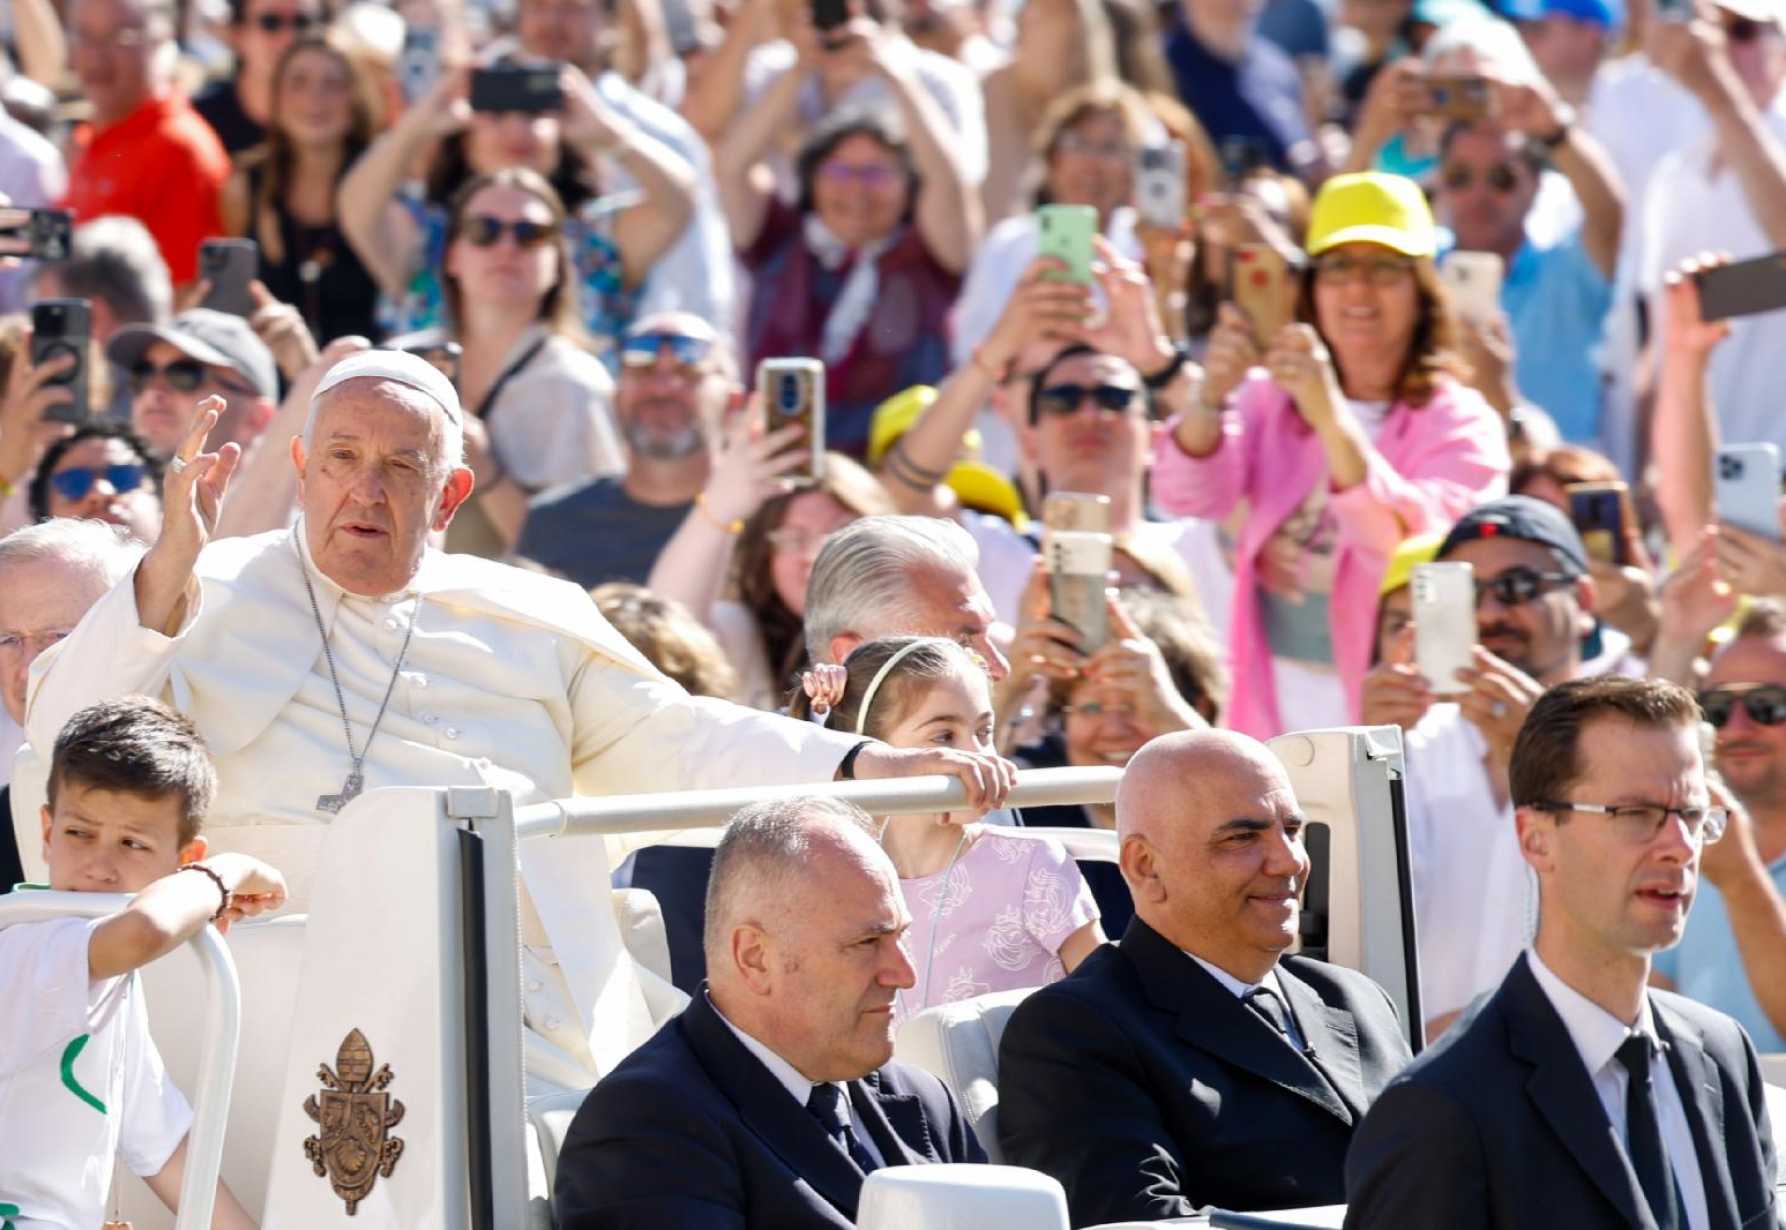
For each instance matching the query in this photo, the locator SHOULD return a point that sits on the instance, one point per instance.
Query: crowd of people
(1290, 298)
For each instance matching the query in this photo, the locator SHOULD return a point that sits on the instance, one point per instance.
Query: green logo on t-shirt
(73, 1086)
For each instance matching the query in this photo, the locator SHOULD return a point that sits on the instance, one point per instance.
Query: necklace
(936, 911)
(356, 781)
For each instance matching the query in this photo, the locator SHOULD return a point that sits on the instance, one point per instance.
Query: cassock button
(553, 1022)
(452, 732)
(535, 985)
(391, 624)
(421, 681)
(430, 718)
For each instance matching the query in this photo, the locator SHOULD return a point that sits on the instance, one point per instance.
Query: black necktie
(1271, 1009)
(833, 1113)
(1649, 1156)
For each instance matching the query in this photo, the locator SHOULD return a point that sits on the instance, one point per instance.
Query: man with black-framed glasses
(1577, 1095)
(199, 353)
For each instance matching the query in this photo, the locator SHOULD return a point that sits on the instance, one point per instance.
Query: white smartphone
(1160, 185)
(1078, 568)
(1444, 623)
(1747, 482)
(1474, 282)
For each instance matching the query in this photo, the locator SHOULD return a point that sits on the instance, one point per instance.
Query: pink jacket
(1431, 464)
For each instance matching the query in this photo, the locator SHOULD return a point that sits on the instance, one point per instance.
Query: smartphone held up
(64, 328)
(792, 393)
(1077, 548)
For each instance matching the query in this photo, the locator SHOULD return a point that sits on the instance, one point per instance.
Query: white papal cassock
(512, 680)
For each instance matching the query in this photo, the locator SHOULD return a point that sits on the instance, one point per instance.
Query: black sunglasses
(1766, 706)
(1460, 178)
(182, 375)
(1060, 400)
(1743, 30)
(1518, 586)
(273, 23)
(75, 482)
(484, 231)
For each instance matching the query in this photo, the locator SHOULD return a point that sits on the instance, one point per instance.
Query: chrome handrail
(686, 809)
(217, 1058)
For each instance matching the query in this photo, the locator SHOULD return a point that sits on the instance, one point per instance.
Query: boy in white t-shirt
(81, 1082)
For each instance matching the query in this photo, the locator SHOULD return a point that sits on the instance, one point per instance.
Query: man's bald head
(1212, 847)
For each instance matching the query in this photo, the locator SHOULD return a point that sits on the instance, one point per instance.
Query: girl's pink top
(1429, 465)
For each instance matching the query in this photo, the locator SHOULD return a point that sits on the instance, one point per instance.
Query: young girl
(992, 908)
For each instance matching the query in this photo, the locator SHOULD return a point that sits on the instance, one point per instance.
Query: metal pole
(685, 809)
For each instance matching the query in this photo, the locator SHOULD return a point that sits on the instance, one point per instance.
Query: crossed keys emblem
(355, 1114)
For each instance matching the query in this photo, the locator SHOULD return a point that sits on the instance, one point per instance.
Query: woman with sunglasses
(283, 195)
(100, 472)
(401, 229)
(1356, 434)
(544, 401)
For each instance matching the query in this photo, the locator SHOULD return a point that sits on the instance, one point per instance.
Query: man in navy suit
(770, 1098)
(1577, 1095)
(1193, 1063)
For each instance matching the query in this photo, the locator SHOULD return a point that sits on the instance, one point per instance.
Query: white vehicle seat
(959, 1196)
(641, 922)
(958, 1044)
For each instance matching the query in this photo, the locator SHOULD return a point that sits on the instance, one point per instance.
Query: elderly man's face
(111, 47)
(374, 483)
(836, 959)
(40, 603)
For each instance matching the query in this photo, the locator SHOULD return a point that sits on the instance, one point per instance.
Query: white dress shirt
(1240, 990)
(1597, 1035)
(798, 1087)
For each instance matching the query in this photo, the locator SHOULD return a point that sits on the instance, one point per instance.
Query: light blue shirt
(1707, 966)
(1556, 300)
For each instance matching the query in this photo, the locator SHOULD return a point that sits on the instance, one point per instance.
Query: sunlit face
(1607, 895)
(1750, 755)
(269, 27)
(505, 271)
(561, 29)
(1082, 445)
(954, 606)
(117, 487)
(954, 712)
(1485, 190)
(105, 841)
(112, 45)
(41, 601)
(162, 414)
(1395, 614)
(860, 191)
(1367, 303)
(666, 408)
(1093, 164)
(837, 959)
(1099, 726)
(313, 98)
(502, 140)
(811, 516)
(373, 483)
(1541, 637)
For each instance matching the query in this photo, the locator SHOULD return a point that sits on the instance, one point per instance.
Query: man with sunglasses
(1733, 955)
(201, 353)
(1577, 1095)
(100, 472)
(1534, 612)
(1557, 287)
(259, 31)
(677, 380)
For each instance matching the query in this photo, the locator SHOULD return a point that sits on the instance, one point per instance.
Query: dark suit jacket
(1148, 1089)
(1499, 1125)
(11, 872)
(692, 1131)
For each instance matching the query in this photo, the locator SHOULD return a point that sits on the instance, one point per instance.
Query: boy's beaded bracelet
(218, 881)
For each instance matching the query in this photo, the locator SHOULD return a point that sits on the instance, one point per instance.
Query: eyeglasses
(795, 539)
(1073, 143)
(1639, 823)
(76, 481)
(1061, 400)
(1766, 706)
(1518, 586)
(1501, 177)
(1339, 267)
(484, 231)
(182, 375)
(276, 23)
(869, 175)
(643, 349)
(1092, 711)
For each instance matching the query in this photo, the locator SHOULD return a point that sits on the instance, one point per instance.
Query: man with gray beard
(677, 381)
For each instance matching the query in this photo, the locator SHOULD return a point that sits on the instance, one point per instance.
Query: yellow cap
(895, 416)
(1420, 549)
(1372, 207)
(976, 484)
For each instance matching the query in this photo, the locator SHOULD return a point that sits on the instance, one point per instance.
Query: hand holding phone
(1599, 513)
(63, 328)
(1444, 624)
(1078, 572)
(1461, 99)
(1262, 290)
(1746, 480)
(792, 393)
(1160, 186)
(1065, 234)
(41, 234)
(530, 89)
(1744, 288)
(1473, 280)
(229, 265)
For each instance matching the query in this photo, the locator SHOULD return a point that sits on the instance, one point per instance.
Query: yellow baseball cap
(1372, 207)
(1420, 549)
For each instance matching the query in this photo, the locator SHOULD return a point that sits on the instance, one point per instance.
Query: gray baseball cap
(216, 339)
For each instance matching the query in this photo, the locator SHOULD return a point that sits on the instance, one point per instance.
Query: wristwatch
(1565, 125)
(1156, 381)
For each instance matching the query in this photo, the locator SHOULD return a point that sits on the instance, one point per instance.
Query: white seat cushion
(958, 1043)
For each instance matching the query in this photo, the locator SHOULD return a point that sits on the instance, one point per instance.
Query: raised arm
(1684, 426)
(37, 37)
(716, 94)
(1535, 110)
(745, 185)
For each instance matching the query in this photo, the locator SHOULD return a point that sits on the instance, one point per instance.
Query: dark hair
(136, 746)
(933, 658)
(558, 306)
(839, 127)
(1766, 617)
(1545, 764)
(573, 176)
(37, 495)
(1432, 351)
(1040, 378)
(1563, 465)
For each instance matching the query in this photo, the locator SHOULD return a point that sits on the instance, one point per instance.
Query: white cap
(1763, 11)
(398, 366)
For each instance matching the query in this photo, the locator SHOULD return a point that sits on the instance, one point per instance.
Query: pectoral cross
(350, 790)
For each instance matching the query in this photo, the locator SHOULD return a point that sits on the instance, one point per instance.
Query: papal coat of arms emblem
(355, 1115)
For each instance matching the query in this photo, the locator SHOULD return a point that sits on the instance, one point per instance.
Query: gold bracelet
(733, 527)
(6, 488)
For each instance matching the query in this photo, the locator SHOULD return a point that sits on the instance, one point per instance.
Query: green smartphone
(1066, 232)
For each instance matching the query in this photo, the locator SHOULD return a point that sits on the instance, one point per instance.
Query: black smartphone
(64, 327)
(49, 232)
(229, 265)
(829, 15)
(1598, 510)
(1743, 289)
(530, 88)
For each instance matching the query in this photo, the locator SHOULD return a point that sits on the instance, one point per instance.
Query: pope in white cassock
(345, 654)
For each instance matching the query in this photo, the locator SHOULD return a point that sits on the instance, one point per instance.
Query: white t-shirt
(1474, 898)
(81, 1082)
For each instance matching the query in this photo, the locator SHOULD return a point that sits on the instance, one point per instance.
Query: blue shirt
(1706, 965)
(1258, 99)
(1556, 300)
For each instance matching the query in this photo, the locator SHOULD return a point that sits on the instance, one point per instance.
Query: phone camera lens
(790, 394)
(1730, 468)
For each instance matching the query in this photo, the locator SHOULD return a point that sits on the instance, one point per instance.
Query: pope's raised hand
(192, 497)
